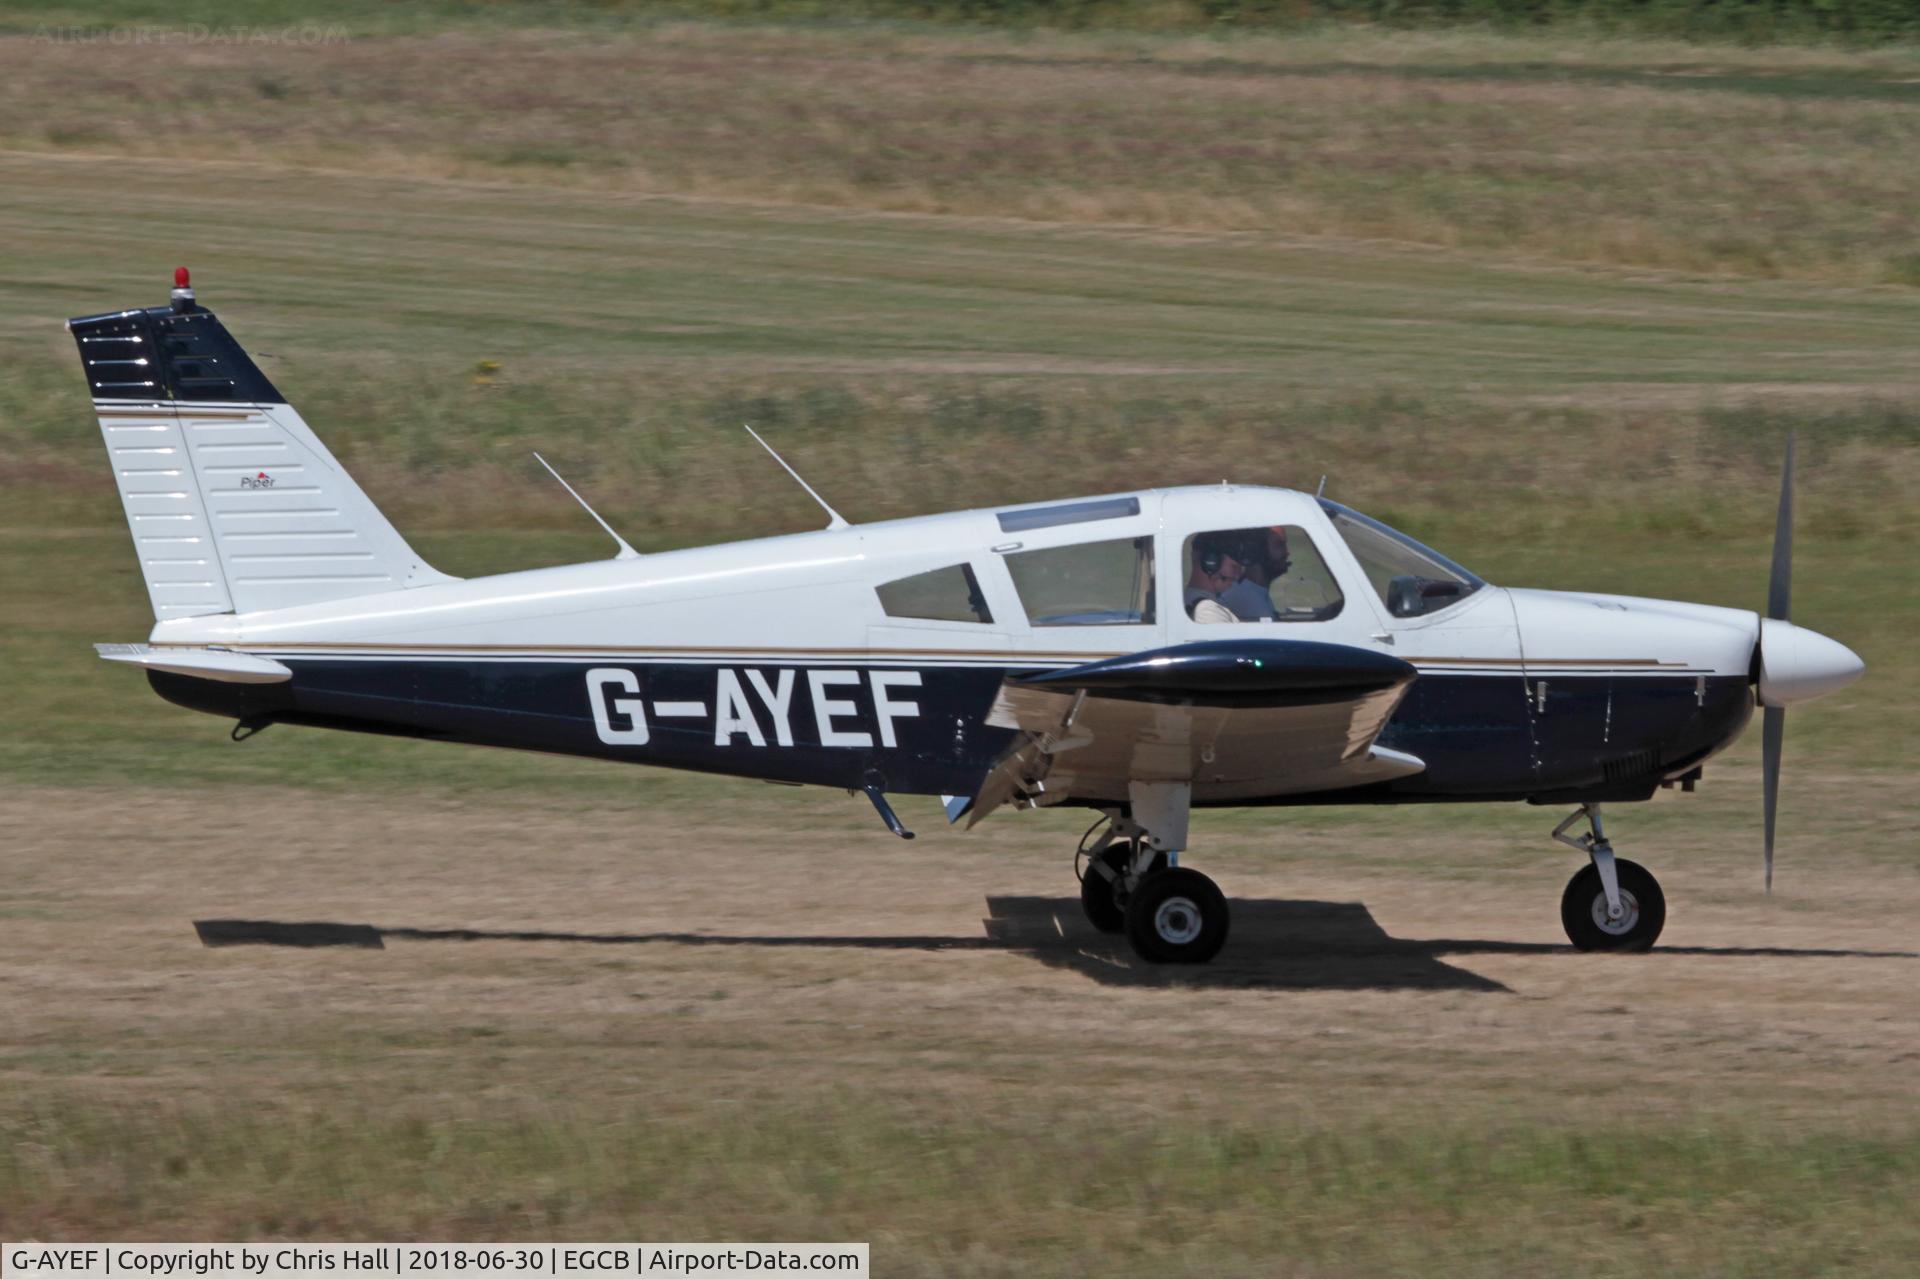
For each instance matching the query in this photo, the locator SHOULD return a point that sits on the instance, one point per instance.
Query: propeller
(1773, 725)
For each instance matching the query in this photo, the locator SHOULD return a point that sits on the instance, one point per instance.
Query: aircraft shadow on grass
(1275, 945)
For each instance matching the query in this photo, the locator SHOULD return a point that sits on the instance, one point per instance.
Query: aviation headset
(1208, 555)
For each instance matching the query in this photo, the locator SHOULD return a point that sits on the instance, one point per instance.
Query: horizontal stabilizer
(202, 663)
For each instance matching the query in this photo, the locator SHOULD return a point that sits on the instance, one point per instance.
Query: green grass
(1280, 1196)
(1554, 427)
(1569, 301)
(1751, 22)
(1768, 163)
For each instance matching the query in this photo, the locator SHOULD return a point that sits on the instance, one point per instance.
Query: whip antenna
(626, 552)
(833, 517)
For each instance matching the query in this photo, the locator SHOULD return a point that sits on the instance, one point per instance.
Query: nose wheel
(1611, 903)
(1584, 913)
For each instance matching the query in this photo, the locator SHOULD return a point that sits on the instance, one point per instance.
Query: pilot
(1265, 560)
(1215, 571)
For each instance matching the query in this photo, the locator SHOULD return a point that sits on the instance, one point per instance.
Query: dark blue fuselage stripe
(1483, 735)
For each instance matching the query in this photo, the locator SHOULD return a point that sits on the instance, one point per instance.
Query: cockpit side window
(1089, 584)
(1411, 579)
(1265, 574)
(950, 594)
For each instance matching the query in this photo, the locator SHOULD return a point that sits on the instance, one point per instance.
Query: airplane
(1139, 654)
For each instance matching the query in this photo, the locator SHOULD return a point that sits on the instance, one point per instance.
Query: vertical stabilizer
(234, 504)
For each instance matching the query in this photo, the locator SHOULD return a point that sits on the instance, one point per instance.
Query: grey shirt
(1249, 603)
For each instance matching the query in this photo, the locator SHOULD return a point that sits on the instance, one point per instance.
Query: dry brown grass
(915, 364)
(700, 1009)
(1802, 1004)
(1726, 168)
(731, 967)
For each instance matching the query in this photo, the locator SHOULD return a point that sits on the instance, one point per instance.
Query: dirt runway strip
(954, 964)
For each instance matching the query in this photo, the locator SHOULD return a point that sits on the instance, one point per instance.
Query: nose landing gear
(1612, 903)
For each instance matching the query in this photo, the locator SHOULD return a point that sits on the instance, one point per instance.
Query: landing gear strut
(1108, 878)
(1132, 882)
(1611, 903)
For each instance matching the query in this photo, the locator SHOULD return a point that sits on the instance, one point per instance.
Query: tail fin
(234, 503)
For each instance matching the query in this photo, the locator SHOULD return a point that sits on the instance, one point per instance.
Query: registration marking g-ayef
(621, 711)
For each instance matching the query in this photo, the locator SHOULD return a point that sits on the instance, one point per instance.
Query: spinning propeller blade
(1773, 724)
(1780, 584)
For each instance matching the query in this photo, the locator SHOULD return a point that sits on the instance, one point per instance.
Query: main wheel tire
(1583, 909)
(1178, 916)
(1103, 896)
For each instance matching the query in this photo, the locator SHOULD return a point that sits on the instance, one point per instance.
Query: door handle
(1383, 637)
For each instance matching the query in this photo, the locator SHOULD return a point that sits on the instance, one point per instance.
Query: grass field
(1751, 162)
(915, 364)
(751, 1019)
(945, 269)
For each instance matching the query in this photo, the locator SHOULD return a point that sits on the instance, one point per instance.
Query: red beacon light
(182, 290)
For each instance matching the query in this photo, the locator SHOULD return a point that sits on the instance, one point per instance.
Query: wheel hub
(1177, 921)
(1629, 914)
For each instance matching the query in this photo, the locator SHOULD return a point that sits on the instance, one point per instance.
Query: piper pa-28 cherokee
(1138, 654)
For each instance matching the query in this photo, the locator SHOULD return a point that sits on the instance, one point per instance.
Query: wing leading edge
(1234, 718)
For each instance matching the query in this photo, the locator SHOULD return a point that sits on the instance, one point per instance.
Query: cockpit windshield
(1411, 579)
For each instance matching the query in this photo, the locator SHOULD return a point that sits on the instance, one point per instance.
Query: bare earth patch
(851, 957)
(744, 1011)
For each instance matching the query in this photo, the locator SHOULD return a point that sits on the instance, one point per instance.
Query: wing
(1235, 718)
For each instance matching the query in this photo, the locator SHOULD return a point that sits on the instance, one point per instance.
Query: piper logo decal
(620, 713)
(260, 481)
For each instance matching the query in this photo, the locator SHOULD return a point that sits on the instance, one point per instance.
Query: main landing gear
(1131, 882)
(1611, 903)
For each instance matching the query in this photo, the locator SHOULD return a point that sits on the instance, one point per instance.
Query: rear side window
(950, 594)
(1092, 584)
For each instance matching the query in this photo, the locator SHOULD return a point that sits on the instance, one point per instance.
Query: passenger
(1265, 561)
(1214, 572)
